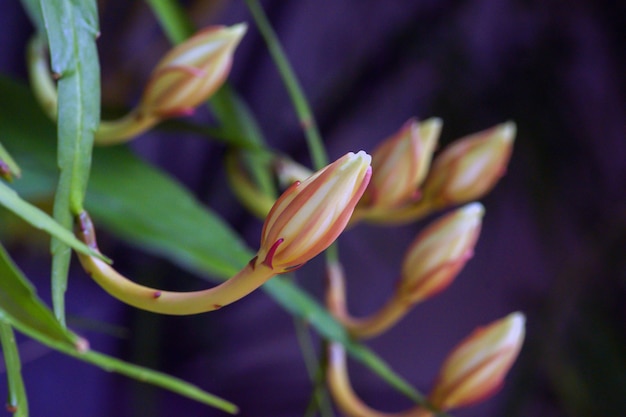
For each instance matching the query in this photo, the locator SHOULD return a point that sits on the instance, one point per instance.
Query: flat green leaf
(40, 220)
(20, 306)
(155, 378)
(72, 28)
(144, 206)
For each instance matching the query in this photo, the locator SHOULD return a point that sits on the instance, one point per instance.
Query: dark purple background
(553, 241)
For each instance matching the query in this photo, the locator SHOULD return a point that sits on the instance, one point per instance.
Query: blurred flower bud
(476, 368)
(191, 72)
(400, 163)
(439, 252)
(309, 216)
(470, 167)
(289, 171)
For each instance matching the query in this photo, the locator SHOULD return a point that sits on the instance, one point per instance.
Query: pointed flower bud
(400, 163)
(309, 216)
(439, 252)
(476, 368)
(191, 72)
(470, 167)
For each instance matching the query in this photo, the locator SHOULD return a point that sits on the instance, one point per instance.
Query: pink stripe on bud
(310, 215)
(439, 252)
(476, 368)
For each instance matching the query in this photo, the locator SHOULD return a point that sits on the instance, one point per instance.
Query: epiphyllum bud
(191, 72)
(470, 167)
(400, 164)
(475, 369)
(310, 215)
(439, 252)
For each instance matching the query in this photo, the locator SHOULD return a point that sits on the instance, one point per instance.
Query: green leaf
(72, 28)
(153, 377)
(40, 220)
(144, 206)
(17, 402)
(20, 306)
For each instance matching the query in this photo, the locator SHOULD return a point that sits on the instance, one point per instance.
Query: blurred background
(554, 239)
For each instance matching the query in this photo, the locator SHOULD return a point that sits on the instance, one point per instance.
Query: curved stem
(345, 397)
(367, 327)
(41, 81)
(257, 202)
(113, 132)
(252, 276)
(110, 132)
(337, 370)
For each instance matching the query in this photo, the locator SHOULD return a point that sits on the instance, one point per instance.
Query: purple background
(553, 240)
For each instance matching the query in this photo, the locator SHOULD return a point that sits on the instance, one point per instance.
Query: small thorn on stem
(11, 408)
(56, 76)
(252, 263)
(156, 294)
(217, 306)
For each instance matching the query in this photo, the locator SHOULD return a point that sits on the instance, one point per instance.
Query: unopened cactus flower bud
(476, 368)
(310, 215)
(191, 72)
(400, 163)
(439, 252)
(305, 220)
(470, 167)
(186, 76)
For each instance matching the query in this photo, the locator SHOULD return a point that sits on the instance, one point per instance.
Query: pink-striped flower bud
(476, 368)
(400, 163)
(470, 167)
(191, 72)
(310, 215)
(439, 252)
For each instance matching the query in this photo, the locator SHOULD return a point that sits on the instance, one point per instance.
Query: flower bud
(310, 215)
(439, 252)
(400, 163)
(475, 369)
(191, 72)
(470, 167)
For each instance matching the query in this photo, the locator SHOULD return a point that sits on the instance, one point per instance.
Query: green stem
(319, 399)
(41, 82)
(301, 105)
(173, 19)
(18, 402)
(113, 132)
